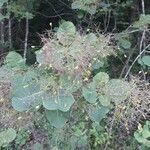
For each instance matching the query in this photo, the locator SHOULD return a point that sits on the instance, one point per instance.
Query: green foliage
(142, 134)
(106, 90)
(14, 60)
(57, 85)
(28, 5)
(57, 118)
(104, 100)
(124, 43)
(7, 137)
(80, 138)
(6, 74)
(146, 60)
(98, 113)
(101, 78)
(33, 88)
(21, 9)
(87, 5)
(66, 33)
(70, 49)
(90, 93)
(99, 134)
(2, 2)
(67, 86)
(5, 15)
(70, 84)
(80, 14)
(37, 146)
(60, 101)
(2, 17)
(117, 90)
(143, 21)
(22, 137)
(26, 92)
(40, 57)
(97, 64)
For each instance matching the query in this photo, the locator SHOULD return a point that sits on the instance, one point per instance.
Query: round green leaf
(57, 118)
(140, 62)
(90, 93)
(14, 60)
(27, 97)
(97, 64)
(40, 57)
(37, 146)
(98, 113)
(80, 14)
(6, 74)
(26, 92)
(91, 39)
(61, 101)
(70, 84)
(101, 77)
(117, 90)
(125, 43)
(7, 136)
(105, 100)
(66, 33)
(146, 60)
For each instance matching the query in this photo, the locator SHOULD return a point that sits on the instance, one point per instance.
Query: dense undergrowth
(72, 97)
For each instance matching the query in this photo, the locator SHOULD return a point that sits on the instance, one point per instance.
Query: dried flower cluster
(74, 53)
(135, 109)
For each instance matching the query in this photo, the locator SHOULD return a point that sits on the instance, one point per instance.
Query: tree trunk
(10, 35)
(2, 34)
(26, 38)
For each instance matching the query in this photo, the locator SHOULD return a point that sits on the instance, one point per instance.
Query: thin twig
(110, 129)
(127, 63)
(136, 60)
